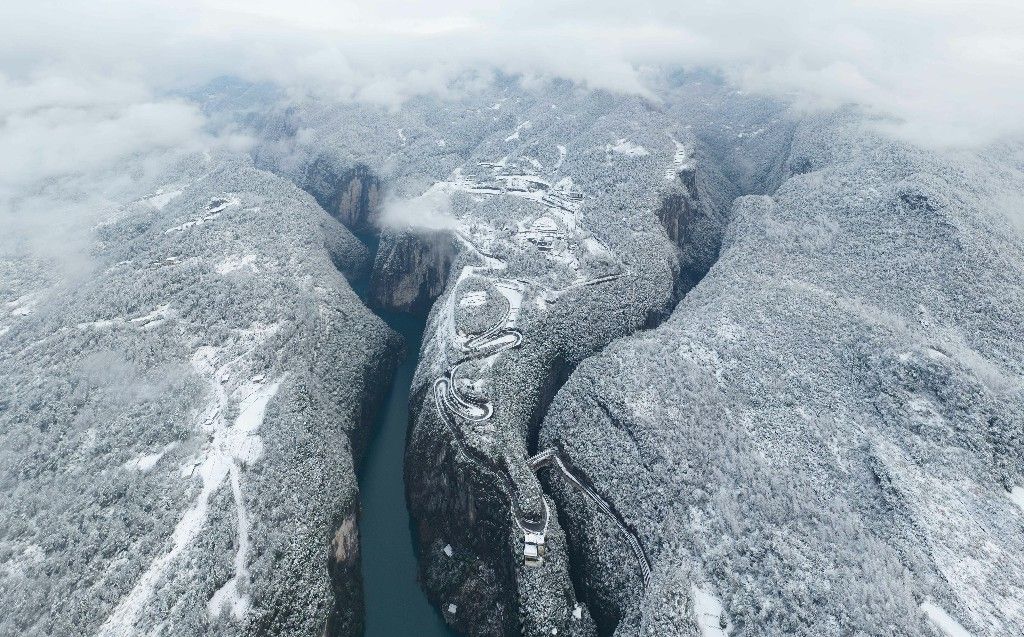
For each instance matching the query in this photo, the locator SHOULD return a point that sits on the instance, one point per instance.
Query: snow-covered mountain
(693, 365)
(177, 427)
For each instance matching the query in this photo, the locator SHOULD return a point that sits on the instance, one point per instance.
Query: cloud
(88, 113)
(430, 211)
(73, 148)
(58, 126)
(951, 71)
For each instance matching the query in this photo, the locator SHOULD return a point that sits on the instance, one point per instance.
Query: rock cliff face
(178, 430)
(350, 194)
(828, 428)
(411, 270)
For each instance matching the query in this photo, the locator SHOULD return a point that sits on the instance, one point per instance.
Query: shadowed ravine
(395, 603)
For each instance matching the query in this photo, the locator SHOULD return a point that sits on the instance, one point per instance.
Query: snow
(32, 555)
(514, 293)
(23, 305)
(228, 595)
(943, 621)
(473, 299)
(707, 609)
(195, 222)
(146, 321)
(219, 204)
(562, 152)
(401, 136)
(441, 143)
(679, 161)
(527, 125)
(161, 198)
(230, 448)
(236, 262)
(1016, 496)
(626, 147)
(154, 318)
(99, 325)
(214, 208)
(147, 462)
(452, 608)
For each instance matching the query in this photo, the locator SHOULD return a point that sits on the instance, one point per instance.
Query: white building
(533, 550)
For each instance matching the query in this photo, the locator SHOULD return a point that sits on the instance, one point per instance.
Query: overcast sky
(83, 84)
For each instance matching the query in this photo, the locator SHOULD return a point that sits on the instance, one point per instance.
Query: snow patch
(161, 198)
(679, 161)
(23, 305)
(214, 208)
(236, 262)
(527, 125)
(1016, 496)
(147, 462)
(473, 299)
(154, 318)
(626, 147)
(562, 152)
(708, 611)
(146, 321)
(943, 621)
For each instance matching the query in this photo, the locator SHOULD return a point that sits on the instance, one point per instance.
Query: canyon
(564, 361)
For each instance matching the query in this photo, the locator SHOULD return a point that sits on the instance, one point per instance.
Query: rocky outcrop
(410, 270)
(350, 194)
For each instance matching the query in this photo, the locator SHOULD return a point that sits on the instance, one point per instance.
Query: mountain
(179, 426)
(696, 363)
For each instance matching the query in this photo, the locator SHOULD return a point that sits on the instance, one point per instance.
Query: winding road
(456, 405)
(453, 404)
(552, 458)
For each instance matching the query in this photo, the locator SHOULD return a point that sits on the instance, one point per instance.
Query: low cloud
(73, 148)
(951, 72)
(431, 211)
(88, 110)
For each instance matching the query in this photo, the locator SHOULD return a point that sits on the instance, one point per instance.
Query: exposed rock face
(178, 430)
(411, 270)
(828, 428)
(694, 214)
(351, 194)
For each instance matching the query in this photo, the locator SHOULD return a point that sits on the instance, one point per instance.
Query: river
(395, 604)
